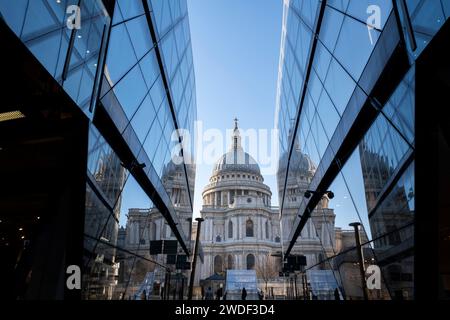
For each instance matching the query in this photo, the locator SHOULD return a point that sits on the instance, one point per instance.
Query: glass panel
(331, 26)
(359, 10)
(121, 56)
(14, 14)
(328, 114)
(339, 85)
(161, 12)
(130, 8)
(143, 118)
(426, 18)
(140, 35)
(344, 201)
(354, 46)
(397, 209)
(152, 140)
(130, 91)
(380, 152)
(150, 68)
(401, 106)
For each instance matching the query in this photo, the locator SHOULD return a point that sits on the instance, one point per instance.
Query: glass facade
(149, 92)
(335, 104)
(71, 55)
(128, 66)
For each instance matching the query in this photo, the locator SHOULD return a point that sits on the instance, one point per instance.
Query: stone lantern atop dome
(236, 178)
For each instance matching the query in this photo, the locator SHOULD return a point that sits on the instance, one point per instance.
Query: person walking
(261, 295)
(244, 294)
(219, 293)
(209, 294)
(336, 294)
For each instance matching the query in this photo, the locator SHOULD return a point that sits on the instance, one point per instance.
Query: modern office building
(95, 94)
(350, 77)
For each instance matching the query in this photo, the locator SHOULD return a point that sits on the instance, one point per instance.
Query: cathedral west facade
(241, 230)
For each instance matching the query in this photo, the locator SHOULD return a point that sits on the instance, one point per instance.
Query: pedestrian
(143, 295)
(261, 295)
(225, 296)
(336, 294)
(219, 293)
(209, 294)
(244, 294)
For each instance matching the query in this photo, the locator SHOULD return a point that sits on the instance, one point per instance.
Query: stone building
(243, 231)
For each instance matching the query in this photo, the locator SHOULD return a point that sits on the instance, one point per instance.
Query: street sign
(155, 247)
(170, 247)
(294, 263)
(182, 263)
(171, 259)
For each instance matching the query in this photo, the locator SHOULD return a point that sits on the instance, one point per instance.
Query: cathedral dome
(236, 159)
(300, 161)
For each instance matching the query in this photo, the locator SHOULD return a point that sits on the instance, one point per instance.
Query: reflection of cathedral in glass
(106, 175)
(318, 235)
(391, 220)
(145, 225)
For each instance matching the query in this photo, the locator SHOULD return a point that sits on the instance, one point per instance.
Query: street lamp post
(359, 249)
(194, 260)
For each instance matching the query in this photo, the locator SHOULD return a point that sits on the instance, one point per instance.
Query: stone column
(211, 229)
(241, 227)
(259, 231)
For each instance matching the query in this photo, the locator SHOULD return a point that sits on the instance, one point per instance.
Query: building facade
(346, 96)
(242, 231)
(105, 86)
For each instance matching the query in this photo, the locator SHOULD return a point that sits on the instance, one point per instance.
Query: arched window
(218, 264)
(230, 229)
(249, 228)
(230, 263)
(250, 262)
(218, 238)
(277, 239)
(267, 229)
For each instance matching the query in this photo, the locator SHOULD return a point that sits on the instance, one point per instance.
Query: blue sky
(236, 47)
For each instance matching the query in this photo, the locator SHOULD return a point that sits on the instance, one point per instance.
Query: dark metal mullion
(352, 17)
(69, 52)
(97, 79)
(407, 25)
(127, 20)
(103, 64)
